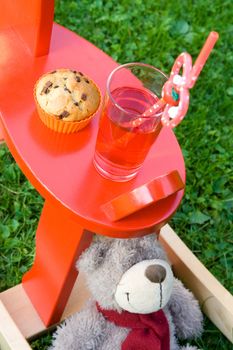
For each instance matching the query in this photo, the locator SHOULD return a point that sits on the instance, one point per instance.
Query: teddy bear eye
(102, 253)
(101, 256)
(99, 259)
(129, 261)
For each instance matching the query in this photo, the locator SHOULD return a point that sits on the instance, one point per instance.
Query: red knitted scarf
(149, 331)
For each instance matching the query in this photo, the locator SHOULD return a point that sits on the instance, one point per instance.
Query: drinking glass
(126, 132)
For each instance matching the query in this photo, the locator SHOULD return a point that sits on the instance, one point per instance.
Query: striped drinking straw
(179, 85)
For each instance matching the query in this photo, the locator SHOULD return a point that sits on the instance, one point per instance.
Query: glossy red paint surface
(32, 22)
(153, 191)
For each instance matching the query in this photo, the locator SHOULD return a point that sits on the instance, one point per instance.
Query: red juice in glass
(125, 136)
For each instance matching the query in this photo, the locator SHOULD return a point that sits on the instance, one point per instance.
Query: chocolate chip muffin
(64, 96)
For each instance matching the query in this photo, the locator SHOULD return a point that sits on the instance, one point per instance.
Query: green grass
(154, 32)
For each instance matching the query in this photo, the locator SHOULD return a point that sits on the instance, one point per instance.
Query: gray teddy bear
(136, 304)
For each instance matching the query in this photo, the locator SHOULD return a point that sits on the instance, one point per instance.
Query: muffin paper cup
(60, 125)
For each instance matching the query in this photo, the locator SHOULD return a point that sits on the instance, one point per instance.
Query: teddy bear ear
(94, 256)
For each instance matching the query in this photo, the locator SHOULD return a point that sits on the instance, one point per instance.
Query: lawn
(153, 32)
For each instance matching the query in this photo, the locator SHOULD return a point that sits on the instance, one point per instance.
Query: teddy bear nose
(155, 273)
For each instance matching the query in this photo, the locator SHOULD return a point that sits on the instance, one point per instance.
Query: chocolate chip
(87, 81)
(84, 97)
(78, 79)
(74, 71)
(45, 89)
(54, 71)
(64, 114)
(65, 78)
(48, 84)
(76, 104)
(81, 74)
(66, 89)
(55, 87)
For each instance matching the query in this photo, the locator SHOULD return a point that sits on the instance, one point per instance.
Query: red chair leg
(59, 242)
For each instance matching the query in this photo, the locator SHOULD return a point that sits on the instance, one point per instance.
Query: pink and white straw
(175, 112)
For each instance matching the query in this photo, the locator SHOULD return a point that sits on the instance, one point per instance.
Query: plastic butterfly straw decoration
(175, 92)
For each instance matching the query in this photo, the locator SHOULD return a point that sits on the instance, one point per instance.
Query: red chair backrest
(31, 19)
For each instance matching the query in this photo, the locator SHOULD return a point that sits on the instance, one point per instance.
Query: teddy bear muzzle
(146, 287)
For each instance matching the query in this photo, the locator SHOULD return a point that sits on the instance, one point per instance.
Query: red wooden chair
(60, 167)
